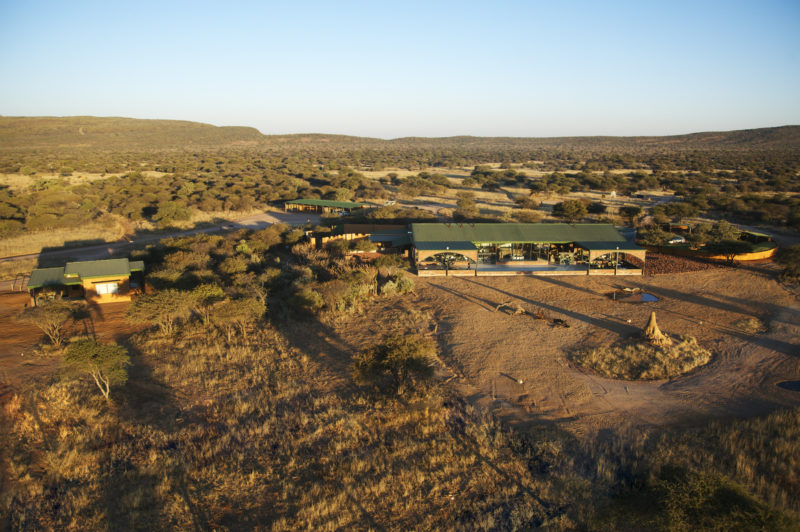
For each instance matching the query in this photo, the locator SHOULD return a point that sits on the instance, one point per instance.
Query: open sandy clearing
(494, 350)
(19, 362)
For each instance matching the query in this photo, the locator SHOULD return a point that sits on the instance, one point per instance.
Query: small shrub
(397, 363)
(750, 325)
(404, 284)
(307, 300)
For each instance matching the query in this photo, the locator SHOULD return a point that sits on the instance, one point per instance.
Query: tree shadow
(618, 328)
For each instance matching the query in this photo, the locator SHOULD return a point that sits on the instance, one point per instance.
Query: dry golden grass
(20, 182)
(751, 325)
(10, 270)
(34, 242)
(215, 435)
(639, 360)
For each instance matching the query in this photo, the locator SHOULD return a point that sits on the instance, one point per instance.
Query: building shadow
(615, 327)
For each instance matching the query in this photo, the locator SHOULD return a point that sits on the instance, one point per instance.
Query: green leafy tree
(106, 363)
(729, 248)
(234, 265)
(526, 202)
(654, 236)
(723, 231)
(570, 210)
(237, 314)
(203, 297)
(699, 235)
(597, 207)
(170, 212)
(50, 317)
(630, 212)
(164, 309)
(397, 363)
(789, 258)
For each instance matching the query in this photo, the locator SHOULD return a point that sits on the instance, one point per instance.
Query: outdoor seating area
(545, 249)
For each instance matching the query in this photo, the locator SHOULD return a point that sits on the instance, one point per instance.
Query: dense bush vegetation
(749, 183)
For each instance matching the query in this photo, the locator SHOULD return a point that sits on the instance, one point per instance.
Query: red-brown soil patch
(21, 362)
(658, 263)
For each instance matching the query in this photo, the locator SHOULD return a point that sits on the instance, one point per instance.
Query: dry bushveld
(234, 421)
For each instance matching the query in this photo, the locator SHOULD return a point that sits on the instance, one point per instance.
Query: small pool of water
(636, 297)
(792, 386)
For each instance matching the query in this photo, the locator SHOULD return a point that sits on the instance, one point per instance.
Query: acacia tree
(237, 314)
(396, 363)
(723, 231)
(50, 317)
(106, 363)
(730, 249)
(570, 210)
(163, 308)
(654, 236)
(630, 212)
(203, 297)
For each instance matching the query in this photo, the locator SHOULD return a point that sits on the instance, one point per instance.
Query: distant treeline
(166, 185)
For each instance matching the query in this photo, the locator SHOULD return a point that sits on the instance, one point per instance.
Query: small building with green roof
(101, 281)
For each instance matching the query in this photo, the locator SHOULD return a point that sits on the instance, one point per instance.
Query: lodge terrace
(515, 249)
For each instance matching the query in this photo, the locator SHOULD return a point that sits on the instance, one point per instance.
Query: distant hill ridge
(115, 133)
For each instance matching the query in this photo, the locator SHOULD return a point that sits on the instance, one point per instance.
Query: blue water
(648, 298)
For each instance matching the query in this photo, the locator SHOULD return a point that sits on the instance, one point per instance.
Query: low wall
(626, 271)
(743, 257)
(501, 273)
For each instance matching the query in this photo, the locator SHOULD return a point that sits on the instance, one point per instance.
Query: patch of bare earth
(517, 365)
(20, 360)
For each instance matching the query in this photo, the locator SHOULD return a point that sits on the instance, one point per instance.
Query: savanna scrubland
(273, 385)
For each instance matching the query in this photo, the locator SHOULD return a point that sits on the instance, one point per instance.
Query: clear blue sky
(391, 69)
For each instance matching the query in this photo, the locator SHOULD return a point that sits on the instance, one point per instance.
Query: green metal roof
(98, 268)
(508, 232)
(396, 238)
(609, 246)
(76, 272)
(49, 277)
(756, 233)
(445, 246)
(327, 203)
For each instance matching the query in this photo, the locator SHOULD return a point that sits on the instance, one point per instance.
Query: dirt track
(494, 350)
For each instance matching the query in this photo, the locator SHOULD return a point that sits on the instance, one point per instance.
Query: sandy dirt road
(100, 251)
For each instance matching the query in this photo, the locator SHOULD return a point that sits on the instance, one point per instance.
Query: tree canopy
(106, 363)
(570, 210)
(50, 317)
(398, 362)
